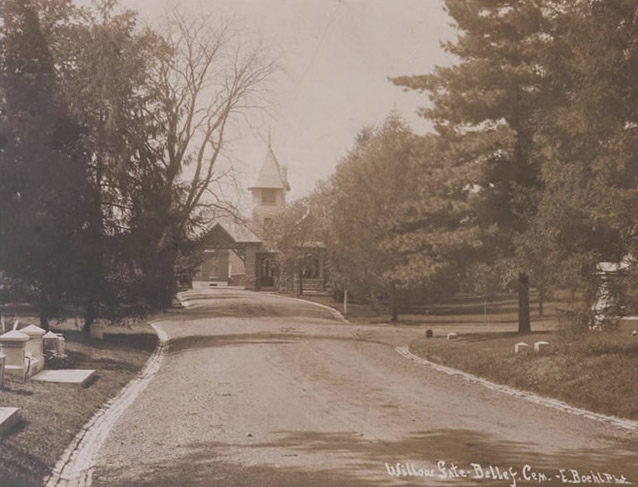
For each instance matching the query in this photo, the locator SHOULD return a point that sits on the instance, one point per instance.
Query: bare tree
(210, 77)
(207, 77)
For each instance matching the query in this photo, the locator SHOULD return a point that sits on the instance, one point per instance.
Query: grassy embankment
(52, 414)
(597, 371)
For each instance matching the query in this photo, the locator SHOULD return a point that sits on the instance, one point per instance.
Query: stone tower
(269, 192)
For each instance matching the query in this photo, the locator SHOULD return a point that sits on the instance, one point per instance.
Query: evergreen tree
(104, 62)
(589, 141)
(367, 184)
(484, 108)
(435, 232)
(43, 191)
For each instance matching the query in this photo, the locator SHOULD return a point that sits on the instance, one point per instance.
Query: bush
(585, 319)
(575, 321)
(57, 360)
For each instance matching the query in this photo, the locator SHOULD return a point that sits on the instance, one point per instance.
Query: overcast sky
(335, 58)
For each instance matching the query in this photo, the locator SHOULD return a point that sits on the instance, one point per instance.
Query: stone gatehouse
(233, 252)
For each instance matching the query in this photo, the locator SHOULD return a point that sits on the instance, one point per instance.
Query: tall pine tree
(484, 108)
(589, 141)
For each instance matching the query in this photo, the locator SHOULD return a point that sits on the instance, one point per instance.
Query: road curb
(626, 424)
(338, 316)
(75, 466)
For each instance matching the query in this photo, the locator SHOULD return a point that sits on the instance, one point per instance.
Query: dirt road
(259, 390)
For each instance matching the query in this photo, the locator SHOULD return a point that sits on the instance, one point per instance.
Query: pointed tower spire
(269, 191)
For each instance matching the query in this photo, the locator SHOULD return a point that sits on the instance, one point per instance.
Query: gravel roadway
(262, 390)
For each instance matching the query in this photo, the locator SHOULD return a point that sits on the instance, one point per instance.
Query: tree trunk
(47, 309)
(94, 268)
(89, 312)
(93, 284)
(394, 306)
(523, 303)
(300, 285)
(345, 303)
(160, 286)
(485, 307)
(44, 319)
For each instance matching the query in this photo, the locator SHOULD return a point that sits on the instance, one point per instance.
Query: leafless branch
(209, 77)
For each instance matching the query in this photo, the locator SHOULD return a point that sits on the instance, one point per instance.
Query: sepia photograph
(318, 243)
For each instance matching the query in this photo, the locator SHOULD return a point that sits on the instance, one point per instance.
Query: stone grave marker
(34, 349)
(96, 330)
(14, 347)
(80, 377)
(54, 343)
(540, 347)
(9, 417)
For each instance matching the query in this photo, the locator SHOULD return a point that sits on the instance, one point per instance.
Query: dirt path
(259, 390)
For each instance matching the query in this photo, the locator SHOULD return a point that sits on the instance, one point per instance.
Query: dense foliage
(531, 174)
(111, 136)
(537, 119)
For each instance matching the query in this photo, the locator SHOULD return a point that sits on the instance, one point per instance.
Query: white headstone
(50, 342)
(452, 336)
(97, 331)
(53, 342)
(13, 347)
(541, 346)
(520, 346)
(34, 345)
(9, 418)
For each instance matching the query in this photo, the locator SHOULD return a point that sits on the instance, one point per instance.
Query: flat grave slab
(9, 417)
(66, 376)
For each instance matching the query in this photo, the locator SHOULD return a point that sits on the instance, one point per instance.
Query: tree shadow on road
(197, 342)
(462, 447)
(206, 306)
(361, 461)
(202, 471)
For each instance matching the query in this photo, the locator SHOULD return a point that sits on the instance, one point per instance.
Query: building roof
(238, 231)
(241, 233)
(270, 174)
(226, 233)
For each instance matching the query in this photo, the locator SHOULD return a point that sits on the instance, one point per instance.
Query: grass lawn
(460, 313)
(597, 371)
(52, 414)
